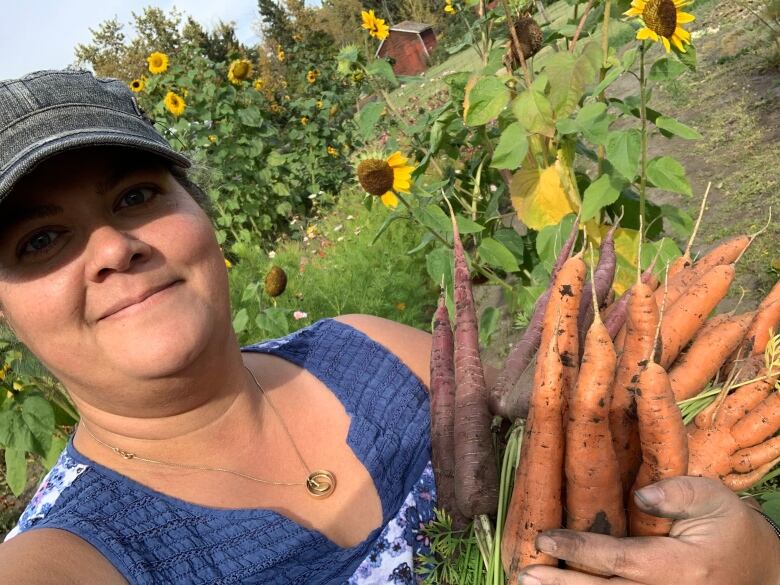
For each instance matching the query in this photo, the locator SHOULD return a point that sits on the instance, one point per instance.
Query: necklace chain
(320, 483)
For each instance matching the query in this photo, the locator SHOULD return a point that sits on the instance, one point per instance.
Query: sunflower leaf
(666, 69)
(665, 172)
(512, 148)
(677, 128)
(497, 255)
(368, 117)
(602, 192)
(486, 99)
(623, 151)
(15, 469)
(381, 68)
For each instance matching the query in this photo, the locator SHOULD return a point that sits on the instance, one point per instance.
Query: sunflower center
(660, 16)
(375, 176)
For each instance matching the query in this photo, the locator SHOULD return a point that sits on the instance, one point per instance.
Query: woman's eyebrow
(119, 173)
(26, 213)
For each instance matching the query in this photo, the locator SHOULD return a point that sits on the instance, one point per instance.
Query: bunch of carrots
(600, 386)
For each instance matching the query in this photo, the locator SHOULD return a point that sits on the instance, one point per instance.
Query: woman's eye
(39, 242)
(137, 196)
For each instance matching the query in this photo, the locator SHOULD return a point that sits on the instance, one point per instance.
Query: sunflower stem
(580, 26)
(643, 116)
(601, 151)
(433, 232)
(516, 42)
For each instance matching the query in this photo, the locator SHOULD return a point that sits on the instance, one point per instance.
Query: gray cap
(49, 112)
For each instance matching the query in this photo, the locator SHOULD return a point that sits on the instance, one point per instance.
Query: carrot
(759, 424)
(503, 399)
(767, 318)
(602, 280)
(615, 319)
(641, 326)
(685, 317)
(476, 475)
(722, 254)
(594, 494)
(536, 504)
(713, 344)
(664, 446)
(442, 404)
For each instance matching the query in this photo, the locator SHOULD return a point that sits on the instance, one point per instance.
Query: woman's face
(109, 270)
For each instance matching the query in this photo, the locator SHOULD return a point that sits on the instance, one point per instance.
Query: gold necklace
(320, 483)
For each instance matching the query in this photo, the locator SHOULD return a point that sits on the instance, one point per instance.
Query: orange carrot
(685, 317)
(536, 504)
(641, 326)
(664, 445)
(594, 494)
(712, 345)
(767, 318)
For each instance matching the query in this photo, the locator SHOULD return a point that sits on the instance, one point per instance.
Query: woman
(110, 273)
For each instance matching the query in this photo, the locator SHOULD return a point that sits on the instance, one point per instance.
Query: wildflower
(228, 264)
(311, 231)
(175, 104)
(333, 151)
(158, 62)
(259, 84)
(376, 27)
(662, 20)
(304, 121)
(137, 85)
(449, 8)
(213, 138)
(320, 104)
(312, 75)
(384, 178)
(272, 254)
(298, 315)
(239, 70)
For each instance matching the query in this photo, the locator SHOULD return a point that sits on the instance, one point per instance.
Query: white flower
(340, 238)
(350, 217)
(338, 228)
(493, 188)
(272, 254)
(298, 315)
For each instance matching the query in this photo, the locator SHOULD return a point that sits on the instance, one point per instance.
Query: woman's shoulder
(412, 346)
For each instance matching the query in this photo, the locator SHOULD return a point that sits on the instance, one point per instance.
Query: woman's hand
(716, 540)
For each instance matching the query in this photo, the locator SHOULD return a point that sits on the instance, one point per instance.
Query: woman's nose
(111, 250)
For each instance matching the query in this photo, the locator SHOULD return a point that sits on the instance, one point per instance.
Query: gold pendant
(321, 483)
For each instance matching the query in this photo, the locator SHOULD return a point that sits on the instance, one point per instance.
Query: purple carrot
(476, 473)
(603, 276)
(442, 404)
(502, 399)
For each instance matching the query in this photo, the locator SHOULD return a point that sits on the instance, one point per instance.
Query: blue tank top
(152, 538)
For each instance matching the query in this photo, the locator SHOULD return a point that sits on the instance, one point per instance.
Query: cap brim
(87, 138)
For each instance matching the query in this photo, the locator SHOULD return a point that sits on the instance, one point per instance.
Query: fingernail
(650, 496)
(529, 580)
(546, 544)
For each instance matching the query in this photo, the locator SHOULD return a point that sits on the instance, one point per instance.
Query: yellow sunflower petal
(667, 46)
(645, 33)
(396, 159)
(678, 43)
(640, 4)
(633, 12)
(683, 17)
(390, 200)
(683, 34)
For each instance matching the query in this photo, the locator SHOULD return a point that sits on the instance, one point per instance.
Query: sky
(42, 34)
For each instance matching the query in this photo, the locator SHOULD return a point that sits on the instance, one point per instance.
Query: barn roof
(411, 27)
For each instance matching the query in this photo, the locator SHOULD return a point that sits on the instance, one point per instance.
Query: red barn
(409, 44)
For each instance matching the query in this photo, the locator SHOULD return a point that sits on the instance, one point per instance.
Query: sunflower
(158, 62)
(376, 27)
(259, 84)
(332, 151)
(384, 178)
(320, 104)
(175, 104)
(663, 20)
(137, 85)
(280, 53)
(449, 8)
(304, 121)
(312, 75)
(276, 108)
(213, 138)
(240, 70)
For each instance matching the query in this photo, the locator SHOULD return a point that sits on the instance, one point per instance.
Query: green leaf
(680, 221)
(567, 126)
(688, 58)
(488, 323)
(667, 252)
(438, 262)
(38, 415)
(550, 240)
(250, 117)
(608, 80)
(534, 112)
(602, 192)
(485, 101)
(624, 150)
(666, 173)
(240, 321)
(273, 321)
(466, 226)
(497, 255)
(771, 506)
(677, 128)
(383, 69)
(368, 117)
(513, 241)
(665, 69)
(15, 470)
(275, 158)
(56, 447)
(593, 122)
(629, 58)
(512, 148)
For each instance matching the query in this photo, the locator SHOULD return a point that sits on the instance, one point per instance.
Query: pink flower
(298, 315)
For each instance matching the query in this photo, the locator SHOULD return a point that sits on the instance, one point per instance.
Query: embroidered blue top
(152, 538)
